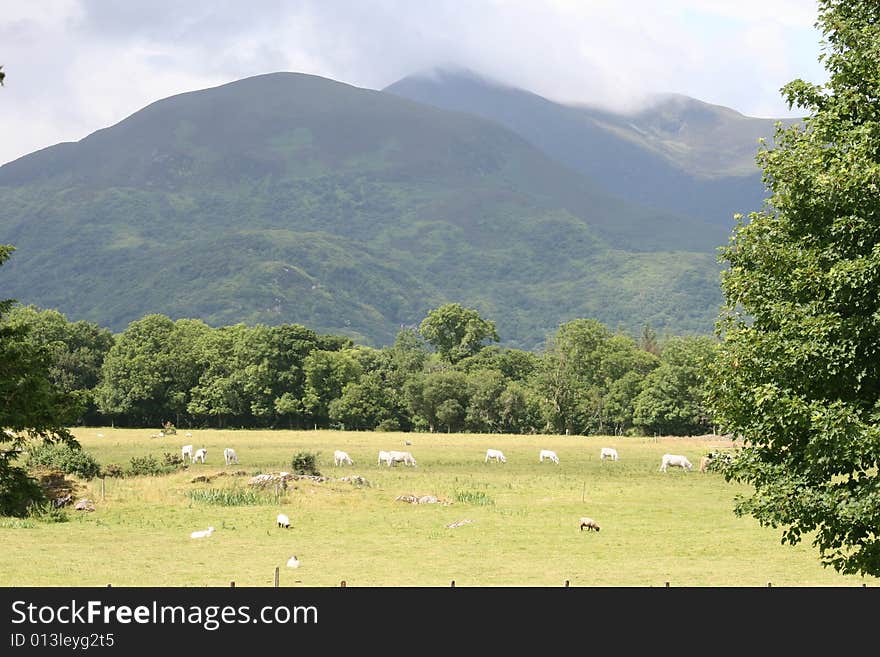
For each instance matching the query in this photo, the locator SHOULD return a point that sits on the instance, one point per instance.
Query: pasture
(521, 530)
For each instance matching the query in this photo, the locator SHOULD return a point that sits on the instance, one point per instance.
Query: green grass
(676, 527)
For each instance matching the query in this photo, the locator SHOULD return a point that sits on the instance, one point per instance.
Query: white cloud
(75, 66)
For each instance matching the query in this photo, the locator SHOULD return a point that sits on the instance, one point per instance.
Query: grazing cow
(384, 457)
(548, 454)
(200, 455)
(608, 453)
(340, 457)
(186, 452)
(496, 455)
(401, 457)
(676, 461)
(229, 456)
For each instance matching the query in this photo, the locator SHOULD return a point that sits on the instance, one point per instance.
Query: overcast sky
(75, 66)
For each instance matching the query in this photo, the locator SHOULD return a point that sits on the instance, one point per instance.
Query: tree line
(446, 374)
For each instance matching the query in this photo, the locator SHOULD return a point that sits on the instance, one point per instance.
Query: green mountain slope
(679, 154)
(293, 198)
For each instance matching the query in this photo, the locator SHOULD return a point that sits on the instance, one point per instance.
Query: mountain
(677, 153)
(291, 198)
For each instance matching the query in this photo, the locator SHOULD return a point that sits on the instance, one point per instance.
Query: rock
(85, 505)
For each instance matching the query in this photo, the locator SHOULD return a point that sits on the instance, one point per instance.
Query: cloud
(75, 66)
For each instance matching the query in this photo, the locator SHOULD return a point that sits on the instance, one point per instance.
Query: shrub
(18, 490)
(174, 461)
(47, 512)
(305, 463)
(147, 465)
(112, 470)
(70, 460)
(388, 425)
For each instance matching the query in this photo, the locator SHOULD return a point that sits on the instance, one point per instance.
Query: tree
(31, 407)
(456, 332)
(797, 379)
(672, 400)
(76, 350)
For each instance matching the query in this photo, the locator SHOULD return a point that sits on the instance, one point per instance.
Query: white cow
(608, 453)
(340, 457)
(401, 457)
(200, 455)
(229, 456)
(186, 452)
(384, 457)
(675, 460)
(548, 454)
(496, 455)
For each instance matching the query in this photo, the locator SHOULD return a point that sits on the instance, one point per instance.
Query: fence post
(566, 583)
(232, 584)
(102, 488)
(276, 577)
(452, 584)
(769, 585)
(342, 584)
(667, 585)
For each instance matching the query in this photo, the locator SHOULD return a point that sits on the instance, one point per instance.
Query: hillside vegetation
(289, 198)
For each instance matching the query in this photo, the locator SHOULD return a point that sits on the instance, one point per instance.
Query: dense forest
(446, 374)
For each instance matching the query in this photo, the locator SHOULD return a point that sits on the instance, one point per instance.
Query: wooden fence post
(342, 584)
(276, 577)
(566, 583)
(452, 584)
(232, 584)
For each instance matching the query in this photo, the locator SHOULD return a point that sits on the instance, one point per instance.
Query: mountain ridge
(348, 210)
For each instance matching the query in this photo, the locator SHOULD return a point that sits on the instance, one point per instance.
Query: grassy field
(676, 527)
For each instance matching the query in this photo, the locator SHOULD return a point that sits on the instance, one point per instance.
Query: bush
(47, 512)
(70, 460)
(147, 465)
(174, 461)
(113, 470)
(305, 463)
(18, 490)
(388, 425)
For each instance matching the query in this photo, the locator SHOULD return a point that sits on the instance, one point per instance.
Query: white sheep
(340, 457)
(283, 520)
(200, 454)
(608, 453)
(548, 454)
(293, 562)
(229, 456)
(203, 533)
(384, 457)
(590, 524)
(186, 452)
(188, 434)
(675, 460)
(496, 455)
